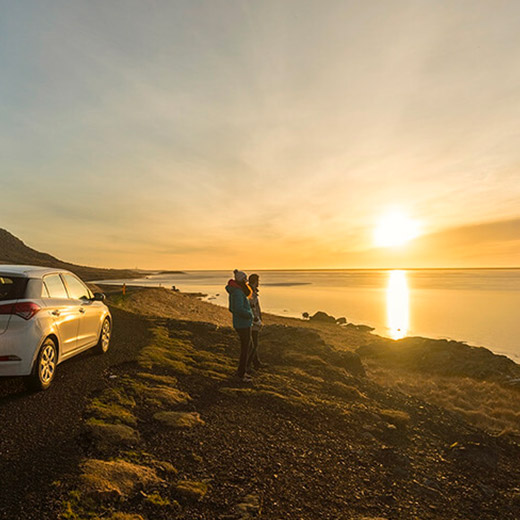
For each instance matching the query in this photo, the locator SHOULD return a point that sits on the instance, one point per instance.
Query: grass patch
(157, 500)
(338, 389)
(191, 490)
(179, 419)
(108, 435)
(485, 404)
(156, 378)
(168, 396)
(112, 412)
(115, 479)
(395, 417)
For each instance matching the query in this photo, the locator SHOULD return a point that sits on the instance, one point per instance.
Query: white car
(47, 316)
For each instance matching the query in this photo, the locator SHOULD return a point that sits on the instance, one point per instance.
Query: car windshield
(11, 287)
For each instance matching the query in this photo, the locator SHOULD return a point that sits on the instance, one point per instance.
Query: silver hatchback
(47, 316)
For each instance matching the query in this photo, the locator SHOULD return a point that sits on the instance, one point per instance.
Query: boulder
(323, 317)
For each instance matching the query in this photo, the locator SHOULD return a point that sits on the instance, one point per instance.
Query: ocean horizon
(474, 305)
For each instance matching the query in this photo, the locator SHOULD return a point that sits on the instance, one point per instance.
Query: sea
(478, 306)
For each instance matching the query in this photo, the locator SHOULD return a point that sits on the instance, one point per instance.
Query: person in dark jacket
(254, 360)
(239, 293)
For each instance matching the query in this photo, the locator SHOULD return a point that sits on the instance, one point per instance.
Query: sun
(395, 229)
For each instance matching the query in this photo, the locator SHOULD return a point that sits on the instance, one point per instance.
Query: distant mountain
(14, 251)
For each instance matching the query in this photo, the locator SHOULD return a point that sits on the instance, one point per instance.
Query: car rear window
(11, 287)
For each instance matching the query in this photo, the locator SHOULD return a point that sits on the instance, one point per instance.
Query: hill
(14, 251)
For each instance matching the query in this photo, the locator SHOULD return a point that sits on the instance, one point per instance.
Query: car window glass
(77, 289)
(55, 286)
(11, 287)
(45, 291)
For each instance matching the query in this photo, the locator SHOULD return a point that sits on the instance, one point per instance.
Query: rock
(323, 317)
(341, 321)
(360, 328)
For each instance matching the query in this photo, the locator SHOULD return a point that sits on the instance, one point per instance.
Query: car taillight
(6, 308)
(25, 310)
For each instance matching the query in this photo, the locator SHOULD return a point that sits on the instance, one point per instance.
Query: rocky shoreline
(316, 435)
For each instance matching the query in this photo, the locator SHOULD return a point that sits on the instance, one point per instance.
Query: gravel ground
(40, 431)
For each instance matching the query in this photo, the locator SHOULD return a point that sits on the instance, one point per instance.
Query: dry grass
(111, 412)
(115, 479)
(191, 489)
(179, 419)
(107, 435)
(485, 404)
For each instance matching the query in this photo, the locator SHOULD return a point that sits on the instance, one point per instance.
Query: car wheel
(104, 336)
(44, 368)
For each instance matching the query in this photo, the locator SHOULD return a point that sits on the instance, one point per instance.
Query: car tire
(104, 337)
(44, 368)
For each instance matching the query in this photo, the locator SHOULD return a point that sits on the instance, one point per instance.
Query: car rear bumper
(22, 344)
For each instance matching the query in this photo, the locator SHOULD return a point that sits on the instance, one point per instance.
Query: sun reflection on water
(397, 304)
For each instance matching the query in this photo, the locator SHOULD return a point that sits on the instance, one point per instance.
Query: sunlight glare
(395, 229)
(397, 304)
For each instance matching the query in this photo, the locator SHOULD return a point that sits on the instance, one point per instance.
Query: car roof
(29, 271)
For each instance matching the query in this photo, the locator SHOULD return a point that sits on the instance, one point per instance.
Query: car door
(91, 311)
(64, 312)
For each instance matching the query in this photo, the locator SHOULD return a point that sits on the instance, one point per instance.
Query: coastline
(331, 429)
(462, 331)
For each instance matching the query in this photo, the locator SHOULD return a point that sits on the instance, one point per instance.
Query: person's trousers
(253, 355)
(245, 347)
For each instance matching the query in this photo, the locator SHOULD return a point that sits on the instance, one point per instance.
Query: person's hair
(253, 278)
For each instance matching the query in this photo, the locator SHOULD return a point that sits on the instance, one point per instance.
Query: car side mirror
(98, 297)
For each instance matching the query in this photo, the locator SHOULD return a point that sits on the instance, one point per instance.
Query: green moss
(167, 395)
(118, 396)
(107, 434)
(342, 390)
(211, 374)
(110, 480)
(111, 412)
(165, 380)
(157, 500)
(191, 490)
(395, 417)
(125, 516)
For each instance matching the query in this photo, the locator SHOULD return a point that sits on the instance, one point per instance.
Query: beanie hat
(240, 276)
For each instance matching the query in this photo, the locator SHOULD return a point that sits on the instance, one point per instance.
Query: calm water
(478, 306)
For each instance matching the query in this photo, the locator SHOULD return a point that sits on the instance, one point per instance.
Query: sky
(275, 134)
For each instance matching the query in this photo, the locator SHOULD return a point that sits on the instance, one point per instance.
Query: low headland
(343, 424)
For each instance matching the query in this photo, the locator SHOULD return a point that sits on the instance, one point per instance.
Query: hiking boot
(246, 378)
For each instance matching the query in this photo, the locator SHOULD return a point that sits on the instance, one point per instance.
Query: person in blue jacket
(239, 293)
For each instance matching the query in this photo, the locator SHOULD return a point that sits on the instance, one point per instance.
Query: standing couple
(247, 320)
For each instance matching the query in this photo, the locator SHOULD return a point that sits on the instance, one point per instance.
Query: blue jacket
(239, 306)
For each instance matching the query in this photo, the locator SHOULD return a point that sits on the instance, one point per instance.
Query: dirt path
(39, 432)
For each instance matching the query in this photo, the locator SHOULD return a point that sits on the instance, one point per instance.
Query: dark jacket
(239, 306)
(257, 312)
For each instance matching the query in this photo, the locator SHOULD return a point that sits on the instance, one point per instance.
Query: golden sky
(223, 134)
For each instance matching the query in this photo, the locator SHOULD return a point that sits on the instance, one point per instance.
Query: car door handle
(82, 310)
(55, 313)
